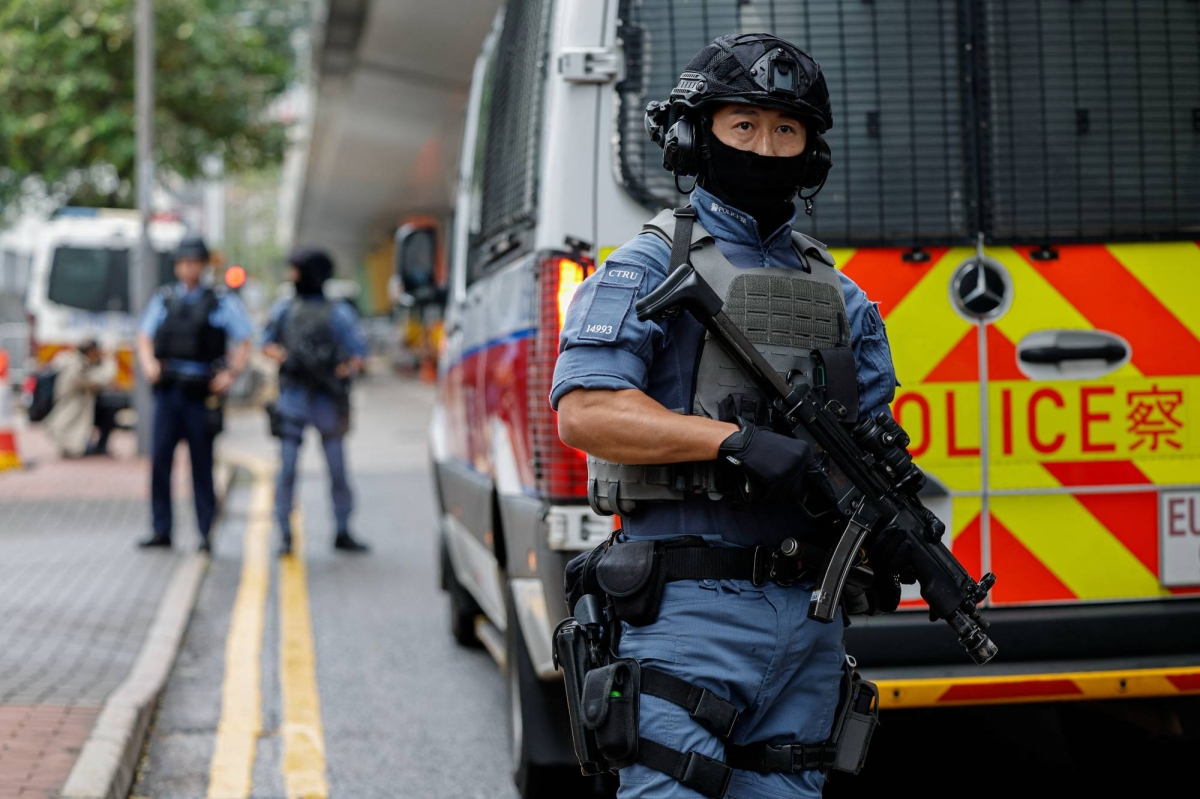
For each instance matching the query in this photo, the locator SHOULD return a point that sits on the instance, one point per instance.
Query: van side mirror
(416, 265)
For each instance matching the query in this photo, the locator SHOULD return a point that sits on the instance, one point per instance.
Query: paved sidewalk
(76, 599)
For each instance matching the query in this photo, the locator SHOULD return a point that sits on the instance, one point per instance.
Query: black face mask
(309, 285)
(761, 185)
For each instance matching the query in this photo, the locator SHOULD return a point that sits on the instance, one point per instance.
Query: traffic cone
(428, 370)
(9, 459)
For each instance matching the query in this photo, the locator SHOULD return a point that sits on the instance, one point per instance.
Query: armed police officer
(680, 441)
(319, 347)
(192, 344)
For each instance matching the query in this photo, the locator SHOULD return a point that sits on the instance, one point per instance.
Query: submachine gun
(872, 472)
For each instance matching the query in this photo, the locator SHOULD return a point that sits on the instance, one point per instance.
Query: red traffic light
(235, 277)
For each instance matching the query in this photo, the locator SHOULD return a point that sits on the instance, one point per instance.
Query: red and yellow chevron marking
(1120, 684)
(126, 374)
(1130, 430)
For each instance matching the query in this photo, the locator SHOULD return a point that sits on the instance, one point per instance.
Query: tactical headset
(684, 148)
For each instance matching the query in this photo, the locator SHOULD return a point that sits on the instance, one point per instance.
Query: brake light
(560, 471)
(570, 276)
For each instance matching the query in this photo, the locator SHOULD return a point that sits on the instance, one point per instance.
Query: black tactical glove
(890, 554)
(882, 596)
(774, 468)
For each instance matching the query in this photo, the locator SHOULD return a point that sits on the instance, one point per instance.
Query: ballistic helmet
(752, 68)
(192, 248)
(758, 69)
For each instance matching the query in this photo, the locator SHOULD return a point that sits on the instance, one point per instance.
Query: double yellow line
(241, 695)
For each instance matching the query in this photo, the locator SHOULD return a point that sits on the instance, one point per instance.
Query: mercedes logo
(981, 289)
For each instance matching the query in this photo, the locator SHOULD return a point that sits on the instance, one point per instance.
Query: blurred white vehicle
(79, 282)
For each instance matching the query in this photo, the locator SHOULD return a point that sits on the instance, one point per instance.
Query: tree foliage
(67, 91)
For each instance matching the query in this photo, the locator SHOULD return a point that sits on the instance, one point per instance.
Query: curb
(108, 761)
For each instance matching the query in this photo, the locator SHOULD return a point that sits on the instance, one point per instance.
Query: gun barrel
(972, 637)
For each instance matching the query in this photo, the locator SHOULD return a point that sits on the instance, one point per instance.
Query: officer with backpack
(712, 578)
(319, 347)
(193, 341)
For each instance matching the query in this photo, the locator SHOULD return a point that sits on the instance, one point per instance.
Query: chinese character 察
(1152, 417)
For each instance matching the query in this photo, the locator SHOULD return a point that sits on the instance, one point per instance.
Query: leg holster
(605, 739)
(604, 698)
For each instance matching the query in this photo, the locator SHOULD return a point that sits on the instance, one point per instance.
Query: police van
(1016, 184)
(79, 283)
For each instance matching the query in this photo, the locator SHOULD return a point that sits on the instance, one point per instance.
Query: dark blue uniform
(180, 411)
(302, 404)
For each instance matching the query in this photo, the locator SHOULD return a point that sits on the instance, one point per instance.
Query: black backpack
(40, 401)
(313, 351)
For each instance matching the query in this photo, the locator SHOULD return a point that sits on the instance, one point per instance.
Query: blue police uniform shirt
(300, 402)
(229, 315)
(605, 346)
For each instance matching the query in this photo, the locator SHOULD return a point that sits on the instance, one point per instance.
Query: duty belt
(759, 565)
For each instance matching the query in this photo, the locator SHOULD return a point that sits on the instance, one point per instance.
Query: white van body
(79, 282)
(506, 537)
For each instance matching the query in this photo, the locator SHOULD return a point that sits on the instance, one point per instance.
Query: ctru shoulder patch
(615, 292)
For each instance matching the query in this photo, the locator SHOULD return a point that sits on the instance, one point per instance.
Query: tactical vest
(186, 334)
(786, 314)
(312, 347)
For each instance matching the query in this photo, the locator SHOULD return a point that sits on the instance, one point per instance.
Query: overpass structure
(390, 85)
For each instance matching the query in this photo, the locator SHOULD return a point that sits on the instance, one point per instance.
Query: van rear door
(1093, 464)
(1095, 457)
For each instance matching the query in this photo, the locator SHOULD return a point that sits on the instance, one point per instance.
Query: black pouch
(836, 379)
(610, 706)
(579, 578)
(630, 574)
(745, 408)
(194, 388)
(572, 654)
(274, 419)
(214, 415)
(342, 401)
(856, 720)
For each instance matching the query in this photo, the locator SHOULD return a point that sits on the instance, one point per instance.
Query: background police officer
(319, 347)
(746, 118)
(192, 344)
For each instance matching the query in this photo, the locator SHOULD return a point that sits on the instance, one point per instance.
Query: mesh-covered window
(510, 110)
(893, 73)
(1087, 114)
(1093, 119)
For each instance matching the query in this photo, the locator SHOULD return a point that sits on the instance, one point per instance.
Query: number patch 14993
(611, 302)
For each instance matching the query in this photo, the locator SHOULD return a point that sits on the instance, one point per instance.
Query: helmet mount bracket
(776, 72)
